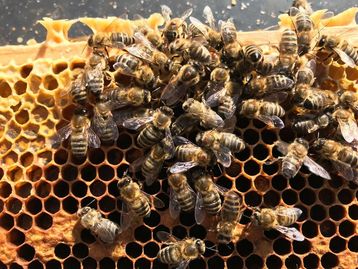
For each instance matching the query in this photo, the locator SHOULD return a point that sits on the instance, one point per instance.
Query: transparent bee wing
(229, 124)
(311, 64)
(93, 139)
(316, 168)
(282, 147)
(278, 97)
(180, 167)
(61, 135)
(344, 169)
(158, 203)
(137, 164)
(223, 155)
(136, 123)
(271, 120)
(168, 144)
(212, 120)
(174, 207)
(293, 11)
(123, 69)
(199, 209)
(199, 25)
(222, 190)
(183, 264)
(290, 232)
(140, 53)
(166, 12)
(166, 237)
(110, 125)
(229, 114)
(345, 58)
(186, 14)
(180, 140)
(214, 99)
(126, 217)
(349, 129)
(120, 116)
(149, 180)
(209, 16)
(173, 93)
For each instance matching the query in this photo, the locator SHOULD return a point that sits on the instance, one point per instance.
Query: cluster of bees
(184, 88)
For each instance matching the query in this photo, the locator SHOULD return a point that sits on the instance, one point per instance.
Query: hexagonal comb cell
(42, 188)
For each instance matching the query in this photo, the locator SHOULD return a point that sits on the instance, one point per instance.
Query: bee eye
(255, 56)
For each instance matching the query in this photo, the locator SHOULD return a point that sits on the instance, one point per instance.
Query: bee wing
(158, 203)
(316, 168)
(173, 92)
(120, 116)
(174, 207)
(199, 209)
(61, 135)
(168, 144)
(93, 139)
(344, 169)
(293, 11)
(137, 164)
(123, 69)
(223, 154)
(166, 237)
(186, 14)
(229, 124)
(209, 16)
(199, 25)
(136, 123)
(214, 99)
(222, 190)
(290, 232)
(282, 147)
(140, 53)
(166, 12)
(183, 264)
(180, 140)
(271, 120)
(213, 119)
(349, 129)
(140, 38)
(126, 217)
(180, 167)
(110, 125)
(278, 97)
(345, 58)
(311, 64)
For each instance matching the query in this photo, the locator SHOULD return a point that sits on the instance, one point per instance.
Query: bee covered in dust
(176, 27)
(136, 203)
(230, 216)
(103, 123)
(94, 73)
(278, 219)
(208, 118)
(222, 144)
(265, 111)
(189, 155)
(182, 196)
(104, 229)
(343, 158)
(121, 97)
(347, 53)
(296, 154)
(157, 126)
(80, 132)
(179, 252)
(208, 197)
(179, 84)
(347, 124)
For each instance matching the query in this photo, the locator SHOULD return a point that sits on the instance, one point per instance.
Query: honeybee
(182, 196)
(303, 5)
(189, 155)
(153, 163)
(312, 125)
(315, 99)
(111, 40)
(207, 117)
(288, 48)
(103, 123)
(190, 49)
(296, 154)
(176, 27)
(135, 201)
(120, 116)
(304, 28)
(132, 66)
(230, 216)
(265, 111)
(179, 252)
(178, 85)
(94, 73)
(182, 124)
(278, 219)
(133, 96)
(157, 126)
(222, 144)
(347, 53)
(208, 197)
(260, 86)
(343, 158)
(77, 89)
(82, 135)
(347, 124)
(306, 74)
(349, 99)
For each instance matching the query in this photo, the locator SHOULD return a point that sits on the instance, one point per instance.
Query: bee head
(303, 142)
(80, 111)
(167, 111)
(124, 182)
(256, 217)
(322, 41)
(176, 179)
(256, 56)
(90, 41)
(319, 143)
(83, 211)
(200, 245)
(187, 104)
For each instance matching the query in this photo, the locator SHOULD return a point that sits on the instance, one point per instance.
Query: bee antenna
(213, 248)
(91, 202)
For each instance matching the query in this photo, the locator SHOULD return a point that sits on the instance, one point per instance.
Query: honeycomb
(41, 188)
